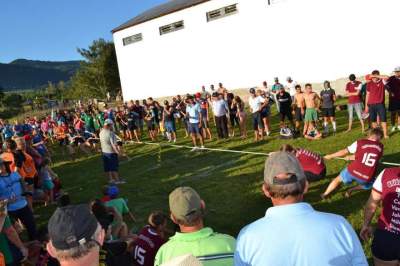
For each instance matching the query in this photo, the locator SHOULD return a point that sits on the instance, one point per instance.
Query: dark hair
(100, 211)
(11, 145)
(375, 72)
(287, 148)
(64, 200)
(284, 191)
(43, 234)
(352, 77)
(376, 132)
(308, 85)
(157, 218)
(297, 87)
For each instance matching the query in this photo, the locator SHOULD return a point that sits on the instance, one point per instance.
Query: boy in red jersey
(366, 154)
(150, 239)
(386, 243)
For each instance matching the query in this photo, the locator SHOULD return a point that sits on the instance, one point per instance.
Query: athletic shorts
(386, 245)
(394, 105)
(311, 177)
(110, 162)
(204, 122)
(48, 185)
(328, 112)
(194, 128)
(265, 112)
(169, 126)
(233, 119)
(78, 141)
(377, 110)
(311, 115)
(348, 178)
(150, 125)
(285, 113)
(298, 115)
(257, 121)
(132, 125)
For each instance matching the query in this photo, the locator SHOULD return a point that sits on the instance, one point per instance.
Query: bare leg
(335, 183)
(351, 190)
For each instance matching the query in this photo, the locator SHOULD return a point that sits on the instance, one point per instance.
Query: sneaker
(398, 127)
(202, 147)
(268, 133)
(174, 140)
(121, 181)
(195, 148)
(393, 129)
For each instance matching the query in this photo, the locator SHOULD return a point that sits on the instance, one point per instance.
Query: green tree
(98, 72)
(13, 101)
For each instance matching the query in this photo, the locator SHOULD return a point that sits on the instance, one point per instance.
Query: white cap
(108, 122)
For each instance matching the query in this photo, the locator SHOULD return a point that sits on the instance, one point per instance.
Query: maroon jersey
(310, 161)
(367, 155)
(351, 87)
(388, 185)
(376, 92)
(146, 246)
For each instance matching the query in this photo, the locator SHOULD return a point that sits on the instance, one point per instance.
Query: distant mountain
(23, 74)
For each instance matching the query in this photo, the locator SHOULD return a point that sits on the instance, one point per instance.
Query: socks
(334, 126)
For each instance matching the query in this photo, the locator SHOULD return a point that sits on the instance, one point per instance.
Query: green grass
(229, 183)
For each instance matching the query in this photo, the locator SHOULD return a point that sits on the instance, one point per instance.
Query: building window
(132, 39)
(222, 12)
(179, 25)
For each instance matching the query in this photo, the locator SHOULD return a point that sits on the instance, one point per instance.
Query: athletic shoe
(202, 147)
(174, 140)
(268, 133)
(195, 148)
(393, 129)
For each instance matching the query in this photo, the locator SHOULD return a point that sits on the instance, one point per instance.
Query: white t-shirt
(292, 88)
(255, 103)
(352, 148)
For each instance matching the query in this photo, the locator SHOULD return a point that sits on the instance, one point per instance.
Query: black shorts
(285, 113)
(386, 245)
(311, 177)
(376, 110)
(233, 119)
(394, 105)
(257, 121)
(298, 115)
(78, 141)
(63, 141)
(328, 112)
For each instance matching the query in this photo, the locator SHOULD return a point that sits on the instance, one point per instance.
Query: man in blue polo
(193, 112)
(292, 232)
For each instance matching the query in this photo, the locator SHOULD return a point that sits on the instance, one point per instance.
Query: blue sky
(54, 29)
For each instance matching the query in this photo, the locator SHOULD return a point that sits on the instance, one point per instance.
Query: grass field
(229, 183)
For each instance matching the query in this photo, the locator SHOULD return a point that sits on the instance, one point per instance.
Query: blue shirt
(11, 189)
(296, 234)
(193, 112)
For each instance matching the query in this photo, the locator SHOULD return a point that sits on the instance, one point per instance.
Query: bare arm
(369, 212)
(340, 153)
(366, 101)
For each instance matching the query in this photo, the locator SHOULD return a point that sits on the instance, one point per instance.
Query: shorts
(139, 123)
(122, 127)
(132, 125)
(169, 126)
(386, 245)
(233, 119)
(29, 181)
(257, 121)
(328, 112)
(78, 141)
(311, 177)
(394, 105)
(377, 110)
(204, 122)
(285, 113)
(48, 185)
(298, 115)
(110, 162)
(354, 106)
(63, 142)
(348, 178)
(265, 112)
(194, 128)
(311, 115)
(150, 125)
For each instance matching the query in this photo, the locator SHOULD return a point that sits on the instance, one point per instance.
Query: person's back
(315, 238)
(119, 204)
(209, 247)
(106, 136)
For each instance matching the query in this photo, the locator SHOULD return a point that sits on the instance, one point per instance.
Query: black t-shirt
(284, 99)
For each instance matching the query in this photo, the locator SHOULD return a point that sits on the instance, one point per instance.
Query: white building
(183, 44)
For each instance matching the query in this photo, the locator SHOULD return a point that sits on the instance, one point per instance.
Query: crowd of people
(98, 233)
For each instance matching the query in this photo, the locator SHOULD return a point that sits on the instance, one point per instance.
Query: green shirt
(4, 248)
(119, 204)
(212, 249)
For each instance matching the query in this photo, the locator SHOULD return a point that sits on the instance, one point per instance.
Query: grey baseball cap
(397, 69)
(282, 163)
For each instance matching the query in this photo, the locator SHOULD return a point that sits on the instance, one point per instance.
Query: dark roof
(164, 9)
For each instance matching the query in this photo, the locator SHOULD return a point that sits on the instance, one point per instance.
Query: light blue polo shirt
(296, 234)
(194, 113)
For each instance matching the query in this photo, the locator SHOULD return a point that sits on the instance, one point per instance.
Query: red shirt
(393, 85)
(376, 92)
(351, 88)
(146, 246)
(310, 161)
(367, 156)
(388, 185)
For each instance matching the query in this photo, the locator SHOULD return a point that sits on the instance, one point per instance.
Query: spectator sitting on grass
(292, 232)
(312, 132)
(75, 236)
(187, 211)
(150, 239)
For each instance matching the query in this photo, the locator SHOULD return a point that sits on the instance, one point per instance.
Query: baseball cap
(113, 191)
(289, 78)
(108, 122)
(72, 226)
(282, 163)
(198, 95)
(276, 79)
(185, 203)
(397, 69)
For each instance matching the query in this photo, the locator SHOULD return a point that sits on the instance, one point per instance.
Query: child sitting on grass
(118, 203)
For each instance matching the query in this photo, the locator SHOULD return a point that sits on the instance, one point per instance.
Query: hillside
(23, 74)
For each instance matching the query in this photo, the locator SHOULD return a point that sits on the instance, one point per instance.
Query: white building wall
(310, 40)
